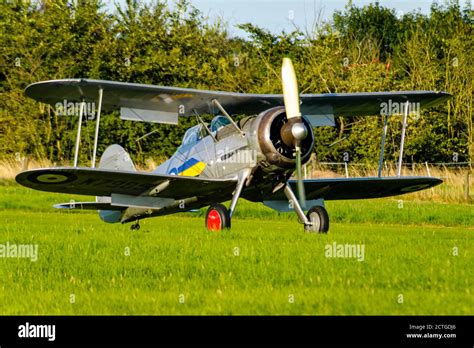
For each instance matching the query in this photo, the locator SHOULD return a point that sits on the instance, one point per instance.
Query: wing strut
(205, 126)
(78, 137)
(96, 135)
(402, 140)
(97, 123)
(221, 108)
(382, 145)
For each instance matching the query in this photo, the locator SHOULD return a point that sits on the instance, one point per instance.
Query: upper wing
(152, 103)
(359, 188)
(103, 182)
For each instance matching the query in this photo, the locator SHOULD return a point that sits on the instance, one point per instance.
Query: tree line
(368, 48)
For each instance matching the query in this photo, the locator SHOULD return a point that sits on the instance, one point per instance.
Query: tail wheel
(135, 226)
(319, 218)
(217, 218)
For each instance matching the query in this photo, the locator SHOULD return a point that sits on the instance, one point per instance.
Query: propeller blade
(294, 131)
(290, 89)
(300, 183)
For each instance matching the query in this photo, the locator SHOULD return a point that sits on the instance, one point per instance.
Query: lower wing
(104, 182)
(360, 188)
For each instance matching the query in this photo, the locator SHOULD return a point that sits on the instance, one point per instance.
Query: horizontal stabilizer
(87, 206)
(141, 201)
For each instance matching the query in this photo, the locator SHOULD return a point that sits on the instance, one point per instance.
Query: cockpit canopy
(198, 132)
(194, 134)
(218, 122)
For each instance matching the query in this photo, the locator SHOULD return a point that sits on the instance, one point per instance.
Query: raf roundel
(52, 178)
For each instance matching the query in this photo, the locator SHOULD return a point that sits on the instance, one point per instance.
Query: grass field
(418, 252)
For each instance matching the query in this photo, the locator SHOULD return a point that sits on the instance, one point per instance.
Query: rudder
(116, 158)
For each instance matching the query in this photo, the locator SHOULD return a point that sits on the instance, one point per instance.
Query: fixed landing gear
(319, 220)
(217, 218)
(135, 226)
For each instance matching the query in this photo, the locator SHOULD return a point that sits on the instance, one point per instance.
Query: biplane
(253, 158)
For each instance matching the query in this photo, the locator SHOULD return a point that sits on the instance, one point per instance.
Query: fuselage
(227, 152)
(254, 146)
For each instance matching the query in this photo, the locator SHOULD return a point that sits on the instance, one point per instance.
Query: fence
(349, 169)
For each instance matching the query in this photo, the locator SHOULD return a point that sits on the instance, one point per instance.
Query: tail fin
(114, 157)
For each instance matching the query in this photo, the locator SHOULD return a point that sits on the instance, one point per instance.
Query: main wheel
(319, 218)
(217, 218)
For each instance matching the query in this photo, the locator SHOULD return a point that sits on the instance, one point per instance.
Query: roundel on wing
(414, 188)
(52, 178)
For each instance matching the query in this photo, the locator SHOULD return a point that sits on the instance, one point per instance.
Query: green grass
(408, 251)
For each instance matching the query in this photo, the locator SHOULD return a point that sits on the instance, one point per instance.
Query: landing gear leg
(296, 205)
(238, 190)
(135, 226)
(317, 219)
(219, 217)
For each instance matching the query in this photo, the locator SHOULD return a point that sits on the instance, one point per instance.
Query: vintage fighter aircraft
(253, 158)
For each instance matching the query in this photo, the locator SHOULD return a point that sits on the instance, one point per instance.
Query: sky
(275, 15)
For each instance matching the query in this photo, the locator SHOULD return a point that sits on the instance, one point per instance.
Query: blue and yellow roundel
(191, 167)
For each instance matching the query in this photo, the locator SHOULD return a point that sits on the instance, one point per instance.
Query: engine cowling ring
(271, 143)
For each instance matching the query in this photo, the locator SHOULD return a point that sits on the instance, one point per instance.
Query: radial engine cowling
(270, 131)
